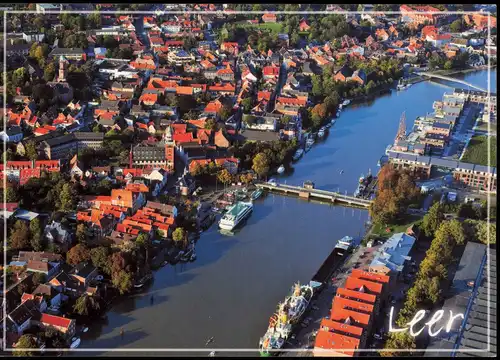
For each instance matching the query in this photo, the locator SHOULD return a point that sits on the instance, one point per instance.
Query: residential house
(343, 74)
(392, 257)
(66, 326)
(56, 234)
(54, 297)
(23, 315)
(127, 198)
(269, 17)
(84, 273)
(47, 268)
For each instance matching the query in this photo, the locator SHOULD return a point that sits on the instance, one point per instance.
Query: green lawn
(379, 231)
(477, 151)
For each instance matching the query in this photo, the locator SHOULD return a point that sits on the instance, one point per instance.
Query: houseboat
(235, 214)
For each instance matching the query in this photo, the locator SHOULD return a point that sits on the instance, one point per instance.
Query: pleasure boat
(76, 342)
(346, 102)
(344, 245)
(338, 113)
(235, 214)
(298, 154)
(281, 169)
(321, 134)
(333, 121)
(256, 194)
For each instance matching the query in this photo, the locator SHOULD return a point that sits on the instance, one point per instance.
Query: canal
(233, 287)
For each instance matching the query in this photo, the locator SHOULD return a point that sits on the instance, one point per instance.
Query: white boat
(321, 134)
(212, 354)
(346, 102)
(329, 125)
(338, 113)
(85, 329)
(333, 121)
(344, 245)
(235, 214)
(281, 169)
(289, 313)
(298, 154)
(75, 343)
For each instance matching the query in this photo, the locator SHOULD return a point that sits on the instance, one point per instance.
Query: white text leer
(419, 316)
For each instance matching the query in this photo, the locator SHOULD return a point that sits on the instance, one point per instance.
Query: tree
(38, 278)
(122, 280)
(197, 170)
(210, 124)
(432, 220)
(86, 305)
(318, 114)
(11, 194)
(482, 232)
(448, 65)
(81, 233)
(66, 198)
(26, 341)
(261, 164)
(178, 235)
(117, 262)
(456, 26)
(49, 72)
(99, 257)
(142, 240)
(246, 178)
(225, 112)
(399, 340)
(31, 151)
(224, 176)
(247, 103)
(19, 238)
(396, 190)
(36, 235)
(77, 254)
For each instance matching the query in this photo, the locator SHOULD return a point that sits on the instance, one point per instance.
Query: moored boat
(289, 313)
(321, 134)
(235, 214)
(298, 154)
(256, 194)
(281, 169)
(344, 245)
(76, 342)
(346, 102)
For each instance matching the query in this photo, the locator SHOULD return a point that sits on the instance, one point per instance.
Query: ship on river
(289, 314)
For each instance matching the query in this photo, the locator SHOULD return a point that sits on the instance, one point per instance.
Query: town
(127, 136)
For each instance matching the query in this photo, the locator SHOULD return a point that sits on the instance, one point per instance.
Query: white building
(42, 8)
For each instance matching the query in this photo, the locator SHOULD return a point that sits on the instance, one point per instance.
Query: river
(233, 287)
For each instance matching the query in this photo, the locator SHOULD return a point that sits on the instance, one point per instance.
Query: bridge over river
(443, 77)
(307, 193)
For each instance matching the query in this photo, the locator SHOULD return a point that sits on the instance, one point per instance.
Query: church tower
(63, 69)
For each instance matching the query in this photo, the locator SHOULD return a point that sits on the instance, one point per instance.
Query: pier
(305, 193)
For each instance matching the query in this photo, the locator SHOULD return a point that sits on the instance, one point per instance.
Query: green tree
(432, 219)
(26, 341)
(142, 240)
(224, 176)
(11, 194)
(31, 151)
(225, 112)
(400, 340)
(20, 235)
(81, 233)
(77, 254)
(122, 280)
(456, 26)
(36, 235)
(482, 232)
(178, 235)
(99, 257)
(261, 164)
(67, 198)
(210, 124)
(38, 278)
(86, 305)
(448, 65)
(247, 103)
(49, 72)
(197, 170)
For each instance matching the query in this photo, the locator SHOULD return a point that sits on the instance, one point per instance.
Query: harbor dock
(306, 193)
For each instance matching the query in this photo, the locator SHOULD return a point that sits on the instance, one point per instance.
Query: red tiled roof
(182, 138)
(271, 71)
(55, 320)
(179, 128)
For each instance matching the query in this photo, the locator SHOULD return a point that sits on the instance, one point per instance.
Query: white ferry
(235, 214)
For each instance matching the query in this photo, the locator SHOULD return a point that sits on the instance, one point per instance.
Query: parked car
(377, 336)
